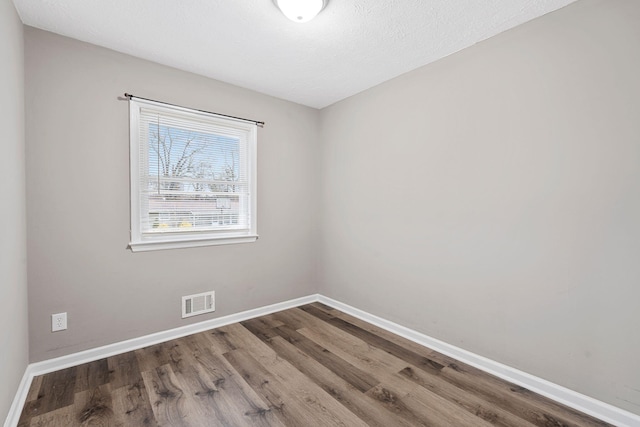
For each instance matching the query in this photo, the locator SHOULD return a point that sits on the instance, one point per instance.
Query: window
(193, 177)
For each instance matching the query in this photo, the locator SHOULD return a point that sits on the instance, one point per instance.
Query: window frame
(140, 241)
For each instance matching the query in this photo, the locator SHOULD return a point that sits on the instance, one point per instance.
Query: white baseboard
(51, 365)
(18, 401)
(563, 395)
(580, 402)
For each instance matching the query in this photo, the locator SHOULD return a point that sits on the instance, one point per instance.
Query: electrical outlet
(58, 322)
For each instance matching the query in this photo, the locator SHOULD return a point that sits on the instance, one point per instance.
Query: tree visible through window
(194, 177)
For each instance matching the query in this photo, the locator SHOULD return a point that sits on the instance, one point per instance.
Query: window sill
(157, 245)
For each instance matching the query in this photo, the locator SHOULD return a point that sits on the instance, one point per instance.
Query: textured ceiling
(349, 47)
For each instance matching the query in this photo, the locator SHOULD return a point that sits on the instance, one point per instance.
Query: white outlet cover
(58, 322)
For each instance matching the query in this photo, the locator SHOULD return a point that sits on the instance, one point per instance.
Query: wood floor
(308, 366)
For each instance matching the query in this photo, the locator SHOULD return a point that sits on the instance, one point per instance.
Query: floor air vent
(193, 305)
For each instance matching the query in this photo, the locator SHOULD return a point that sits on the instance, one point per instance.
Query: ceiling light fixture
(300, 10)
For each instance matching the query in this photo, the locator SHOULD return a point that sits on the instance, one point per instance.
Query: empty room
(320, 213)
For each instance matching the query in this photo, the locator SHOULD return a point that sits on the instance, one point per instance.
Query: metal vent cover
(193, 305)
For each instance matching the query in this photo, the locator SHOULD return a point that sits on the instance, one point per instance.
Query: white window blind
(193, 177)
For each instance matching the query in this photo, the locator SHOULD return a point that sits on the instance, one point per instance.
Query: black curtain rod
(258, 123)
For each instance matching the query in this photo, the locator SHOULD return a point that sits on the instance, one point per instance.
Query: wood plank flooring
(307, 366)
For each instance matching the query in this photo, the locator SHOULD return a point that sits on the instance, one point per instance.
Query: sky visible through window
(194, 157)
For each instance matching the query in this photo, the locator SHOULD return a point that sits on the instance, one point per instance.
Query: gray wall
(13, 269)
(78, 201)
(492, 199)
